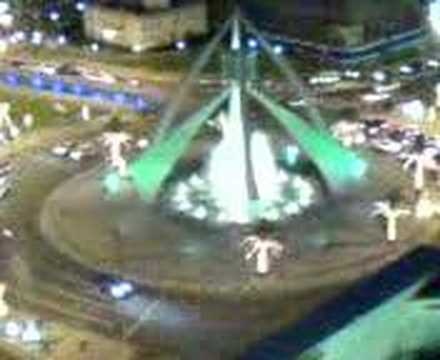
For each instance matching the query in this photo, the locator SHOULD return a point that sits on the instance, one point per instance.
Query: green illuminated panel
(339, 166)
(152, 168)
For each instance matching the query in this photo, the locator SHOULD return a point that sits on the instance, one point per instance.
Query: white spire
(236, 34)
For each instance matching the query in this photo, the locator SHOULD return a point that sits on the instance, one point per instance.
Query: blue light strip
(85, 92)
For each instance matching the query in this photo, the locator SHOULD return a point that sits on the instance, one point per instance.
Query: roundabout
(173, 224)
(162, 222)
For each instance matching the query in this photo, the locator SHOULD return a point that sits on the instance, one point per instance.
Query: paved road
(362, 298)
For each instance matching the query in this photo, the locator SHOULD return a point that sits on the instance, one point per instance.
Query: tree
(390, 214)
(262, 249)
(115, 141)
(418, 159)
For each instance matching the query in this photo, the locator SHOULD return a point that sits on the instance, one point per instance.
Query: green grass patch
(41, 107)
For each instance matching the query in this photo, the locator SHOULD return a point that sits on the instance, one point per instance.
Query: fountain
(258, 186)
(286, 174)
(175, 221)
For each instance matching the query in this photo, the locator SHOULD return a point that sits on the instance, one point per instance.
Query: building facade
(145, 24)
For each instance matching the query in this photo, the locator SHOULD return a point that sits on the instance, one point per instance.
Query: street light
(181, 45)
(137, 48)
(37, 82)
(37, 38)
(80, 6)
(94, 47)
(62, 40)
(54, 15)
(252, 43)
(278, 49)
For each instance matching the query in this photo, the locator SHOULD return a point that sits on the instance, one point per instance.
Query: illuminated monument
(241, 180)
(180, 221)
(240, 160)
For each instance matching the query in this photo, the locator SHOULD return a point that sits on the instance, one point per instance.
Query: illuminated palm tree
(419, 161)
(391, 215)
(115, 141)
(85, 113)
(262, 249)
(6, 121)
(426, 208)
(4, 308)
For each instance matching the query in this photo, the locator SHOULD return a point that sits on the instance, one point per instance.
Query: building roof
(138, 5)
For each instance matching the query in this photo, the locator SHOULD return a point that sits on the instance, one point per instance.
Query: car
(381, 89)
(387, 146)
(69, 69)
(412, 70)
(326, 77)
(352, 74)
(374, 98)
(115, 288)
(7, 233)
(431, 152)
(298, 103)
(406, 70)
(97, 76)
(134, 82)
(121, 289)
(76, 155)
(374, 122)
(143, 143)
(45, 69)
(380, 76)
(17, 63)
(60, 151)
(373, 131)
(433, 63)
(417, 67)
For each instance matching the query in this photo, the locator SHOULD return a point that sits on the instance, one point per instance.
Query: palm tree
(6, 121)
(419, 173)
(425, 208)
(390, 214)
(4, 308)
(115, 141)
(262, 249)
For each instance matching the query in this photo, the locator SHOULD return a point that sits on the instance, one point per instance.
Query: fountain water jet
(226, 169)
(267, 174)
